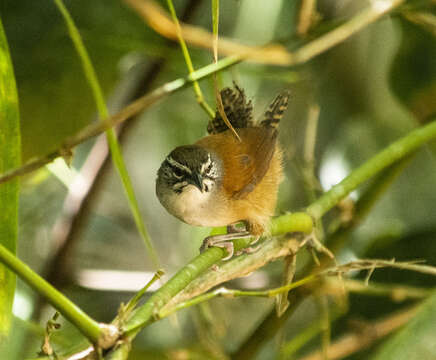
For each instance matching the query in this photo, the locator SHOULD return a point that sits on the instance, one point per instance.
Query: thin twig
(126, 113)
(425, 19)
(274, 54)
(325, 326)
(240, 267)
(156, 17)
(306, 16)
(219, 101)
(197, 90)
(396, 292)
(375, 11)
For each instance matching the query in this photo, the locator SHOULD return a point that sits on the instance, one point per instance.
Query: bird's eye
(177, 172)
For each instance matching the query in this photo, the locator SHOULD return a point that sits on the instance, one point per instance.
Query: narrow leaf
(9, 158)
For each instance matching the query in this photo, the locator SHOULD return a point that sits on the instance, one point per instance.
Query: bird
(227, 180)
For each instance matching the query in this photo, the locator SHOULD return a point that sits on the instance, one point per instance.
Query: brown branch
(157, 18)
(274, 54)
(306, 16)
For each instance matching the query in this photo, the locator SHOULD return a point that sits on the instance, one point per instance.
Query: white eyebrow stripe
(176, 164)
(205, 165)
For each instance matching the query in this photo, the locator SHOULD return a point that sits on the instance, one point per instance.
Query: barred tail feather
(238, 110)
(275, 110)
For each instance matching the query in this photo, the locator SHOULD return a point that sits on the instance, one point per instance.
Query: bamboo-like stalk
(86, 325)
(283, 224)
(10, 156)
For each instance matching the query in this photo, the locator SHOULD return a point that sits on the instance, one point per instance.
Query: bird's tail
(275, 110)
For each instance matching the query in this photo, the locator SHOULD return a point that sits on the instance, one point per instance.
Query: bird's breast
(198, 208)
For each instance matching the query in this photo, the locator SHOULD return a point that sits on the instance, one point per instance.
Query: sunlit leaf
(9, 158)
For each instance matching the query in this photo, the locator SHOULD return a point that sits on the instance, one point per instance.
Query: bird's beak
(197, 180)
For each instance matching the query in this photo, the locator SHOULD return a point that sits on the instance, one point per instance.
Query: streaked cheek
(180, 185)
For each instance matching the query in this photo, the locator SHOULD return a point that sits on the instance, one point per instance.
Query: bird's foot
(250, 249)
(224, 241)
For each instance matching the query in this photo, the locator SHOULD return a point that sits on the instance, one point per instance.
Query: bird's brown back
(245, 162)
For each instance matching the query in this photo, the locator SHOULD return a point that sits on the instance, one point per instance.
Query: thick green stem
(298, 222)
(87, 326)
(391, 154)
(10, 157)
(285, 223)
(340, 230)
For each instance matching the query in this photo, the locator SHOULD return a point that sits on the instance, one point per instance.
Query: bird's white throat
(191, 205)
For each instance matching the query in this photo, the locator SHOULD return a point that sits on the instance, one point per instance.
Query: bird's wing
(255, 161)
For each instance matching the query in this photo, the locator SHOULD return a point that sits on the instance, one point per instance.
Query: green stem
(284, 223)
(231, 293)
(10, 157)
(215, 23)
(134, 301)
(391, 154)
(304, 336)
(397, 292)
(298, 222)
(114, 146)
(197, 90)
(86, 325)
(289, 222)
(339, 230)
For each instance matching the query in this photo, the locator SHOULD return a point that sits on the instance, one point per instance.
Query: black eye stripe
(177, 171)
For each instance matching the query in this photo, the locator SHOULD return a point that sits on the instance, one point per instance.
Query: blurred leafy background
(371, 89)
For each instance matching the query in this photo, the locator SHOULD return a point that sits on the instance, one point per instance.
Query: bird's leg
(234, 228)
(250, 249)
(225, 240)
(256, 230)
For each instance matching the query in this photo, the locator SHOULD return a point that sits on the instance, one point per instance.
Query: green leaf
(9, 158)
(416, 341)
